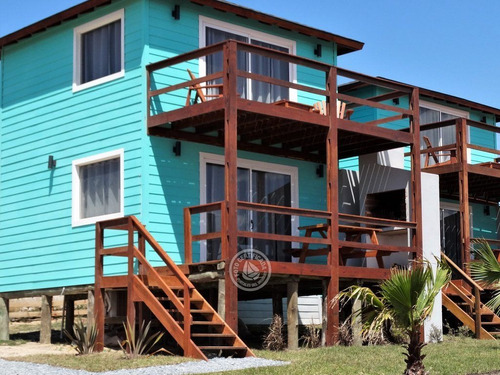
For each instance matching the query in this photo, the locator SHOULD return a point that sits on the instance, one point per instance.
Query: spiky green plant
(84, 339)
(139, 344)
(405, 299)
(486, 269)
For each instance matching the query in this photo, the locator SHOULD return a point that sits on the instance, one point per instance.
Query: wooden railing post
(223, 231)
(188, 239)
(477, 310)
(187, 321)
(463, 183)
(416, 183)
(130, 274)
(98, 292)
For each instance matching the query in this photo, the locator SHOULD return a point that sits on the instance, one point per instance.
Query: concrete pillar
(356, 324)
(4, 319)
(324, 315)
(90, 308)
(46, 319)
(293, 313)
(221, 300)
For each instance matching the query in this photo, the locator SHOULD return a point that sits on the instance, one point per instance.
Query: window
(98, 188)
(213, 31)
(98, 51)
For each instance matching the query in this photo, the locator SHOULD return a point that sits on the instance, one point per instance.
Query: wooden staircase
(462, 298)
(172, 299)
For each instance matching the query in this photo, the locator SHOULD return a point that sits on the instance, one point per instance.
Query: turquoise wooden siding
(483, 225)
(41, 116)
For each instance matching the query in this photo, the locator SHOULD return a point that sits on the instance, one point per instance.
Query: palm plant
(486, 269)
(139, 343)
(405, 300)
(83, 339)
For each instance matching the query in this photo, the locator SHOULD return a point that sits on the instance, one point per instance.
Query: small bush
(134, 345)
(435, 334)
(312, 337)
(84, 339)
(274, 339)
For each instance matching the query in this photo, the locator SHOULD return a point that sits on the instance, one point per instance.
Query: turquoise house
(121, 108)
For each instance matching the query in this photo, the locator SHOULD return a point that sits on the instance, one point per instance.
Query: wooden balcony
(286, 126)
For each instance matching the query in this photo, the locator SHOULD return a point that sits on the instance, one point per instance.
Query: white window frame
(250, 34)
(77, 220)
(119, 15)
(293, 172)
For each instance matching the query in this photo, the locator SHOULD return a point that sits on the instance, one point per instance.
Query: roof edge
(345, 45)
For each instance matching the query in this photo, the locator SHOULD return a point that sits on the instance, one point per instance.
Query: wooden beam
(69, 313)
(363, 273)
(46, 319)
(99, 311)
(90, 308)
(463, 184)
(293, 313)
(332, 174)
(416, 175)
(277, 304)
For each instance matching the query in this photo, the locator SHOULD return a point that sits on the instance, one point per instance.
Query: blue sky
(444, 45)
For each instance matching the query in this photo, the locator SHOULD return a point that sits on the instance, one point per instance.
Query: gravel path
(197, 367)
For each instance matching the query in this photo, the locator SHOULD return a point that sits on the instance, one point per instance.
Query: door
(451, 236)
(258, 185)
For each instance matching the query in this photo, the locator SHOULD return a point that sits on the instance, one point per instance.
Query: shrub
(274, 339)
(139, 344)
(84, 339)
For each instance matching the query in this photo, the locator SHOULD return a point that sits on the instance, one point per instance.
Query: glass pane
(273, 189)
(101, 52)
(214, 61)
(266, 92)
(100, 188)
(215, 193)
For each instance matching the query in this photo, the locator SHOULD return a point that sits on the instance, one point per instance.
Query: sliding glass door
(254, 63)
(258, 186)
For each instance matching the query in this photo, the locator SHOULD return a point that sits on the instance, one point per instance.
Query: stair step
(195, 311)
(213, 335)
(490, 323)
(222, 347)
(202, 323)
(179, 298)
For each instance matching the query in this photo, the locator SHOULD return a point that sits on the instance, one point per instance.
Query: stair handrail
(477, 293)
(462, 273)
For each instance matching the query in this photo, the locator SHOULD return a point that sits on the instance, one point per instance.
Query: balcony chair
(199, 91)
(430, 153)
(321, 108)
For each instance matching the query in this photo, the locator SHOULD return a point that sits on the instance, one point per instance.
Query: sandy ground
(33, 348)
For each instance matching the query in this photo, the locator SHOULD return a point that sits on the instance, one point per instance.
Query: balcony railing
(308, 95)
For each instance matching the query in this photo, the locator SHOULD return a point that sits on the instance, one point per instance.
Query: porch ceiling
(273, 135)
(481, 187)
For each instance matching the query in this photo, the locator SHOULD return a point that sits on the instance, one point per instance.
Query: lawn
(455, 356)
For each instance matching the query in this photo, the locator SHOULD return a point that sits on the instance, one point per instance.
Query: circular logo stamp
(250, 270)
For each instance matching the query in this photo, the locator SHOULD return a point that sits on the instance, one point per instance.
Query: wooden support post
(188, 239)
(477, 310)
(332, 174)
(356, 324)
(221, 298)
(98, 294)
(325, 307)
(46, 320)
(293, 313)
(91, 308)
(463, 184)
(277, 304)
(69, 313)
(231, 177)
(416, 175)
(4, 319)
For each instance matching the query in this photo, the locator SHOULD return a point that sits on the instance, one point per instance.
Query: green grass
(100, 362)
(455, 356)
